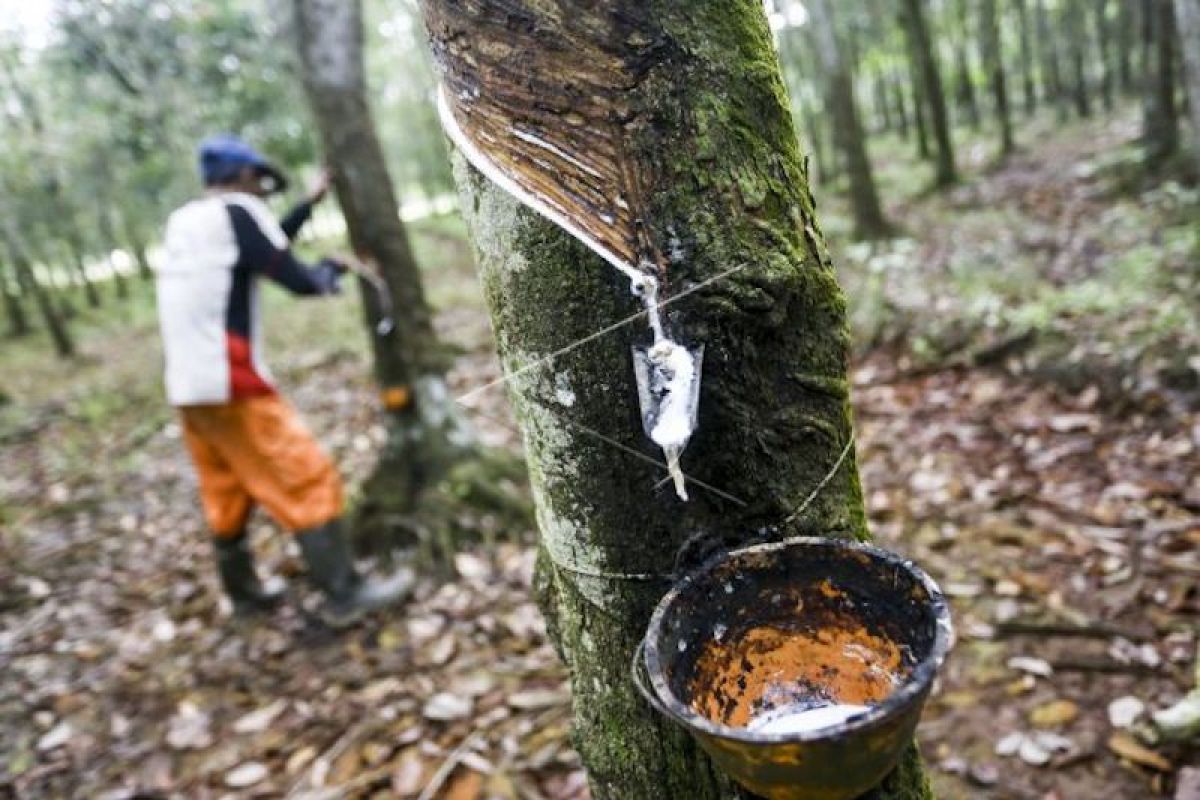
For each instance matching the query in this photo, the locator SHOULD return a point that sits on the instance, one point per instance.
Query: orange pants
(256, 450)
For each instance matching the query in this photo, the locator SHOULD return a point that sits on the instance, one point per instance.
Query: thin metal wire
(828, 477)
(620, 446)
(591, 337)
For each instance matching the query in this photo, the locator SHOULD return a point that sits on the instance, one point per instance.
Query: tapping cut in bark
(563, 155)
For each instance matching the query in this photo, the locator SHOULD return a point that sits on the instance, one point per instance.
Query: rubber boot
(235, 564)
(348, 595)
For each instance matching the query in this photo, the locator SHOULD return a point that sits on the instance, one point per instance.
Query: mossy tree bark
(1187, 16)
(869, 221)
(708, 120)
(912, 17)
(430, 458)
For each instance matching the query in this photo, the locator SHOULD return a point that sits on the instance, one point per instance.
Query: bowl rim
(918, 683)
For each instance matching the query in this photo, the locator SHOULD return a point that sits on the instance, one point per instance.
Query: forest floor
(1059, 509)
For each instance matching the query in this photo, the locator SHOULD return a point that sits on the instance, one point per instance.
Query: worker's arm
(258, 253)
(295, 219)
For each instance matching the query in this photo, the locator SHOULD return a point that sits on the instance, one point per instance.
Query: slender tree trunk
(1104, 46)
(137, 244)
(913, 19)
(14, 311)
(1051, 64)
(993, 60)
(1127, 28)
(429, 449)
(965, 89)
(1187, 17)
(1028, 61)
(75, 254)
(18, 255)
(711, 135)
(900, 104)
(920, 116)
(1161, 120)
(883, 106)
(869, 222)
(109, 240)
(1077, 47)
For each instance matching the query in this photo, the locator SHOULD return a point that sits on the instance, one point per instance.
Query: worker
(248, 445)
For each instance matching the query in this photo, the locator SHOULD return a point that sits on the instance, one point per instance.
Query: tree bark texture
(1161, 121)
(424, 433)
(989, 34)
(705, 122)
(913, 18)
(1187, 17)
(869, 222)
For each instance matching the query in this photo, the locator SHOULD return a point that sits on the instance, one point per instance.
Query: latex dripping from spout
(668, 381)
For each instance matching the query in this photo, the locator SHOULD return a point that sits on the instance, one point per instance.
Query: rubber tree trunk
(912, 16)
(1127, 28)
(1104, 47)
(710, 128)
(1028, 61)
(1051, 63)
(869, 221)
(14, 310)
(1187, 17)
(920, 115)
(18, 255)
(109, 240)
(1160, 126)
(1073, 14)
(900, 104)
(993, 60)
(425, 433)
(964, 81)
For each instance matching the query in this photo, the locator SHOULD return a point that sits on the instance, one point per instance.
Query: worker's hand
(319, 186)
(340, 263)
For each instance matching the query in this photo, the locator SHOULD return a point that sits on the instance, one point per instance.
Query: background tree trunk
(913, 19)
(427, 439)
(869, 222)
(965, 88)
(1160, 127)
(993, 59)
(1187, 16)
(1051, 65)
(708, 122)
(1074, 16)
(1104, 47)
(18, 256)
(1028, 61)
(1127, 28)
(14, 311)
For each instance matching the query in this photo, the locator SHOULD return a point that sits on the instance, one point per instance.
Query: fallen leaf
(1130, 749)
(409, 776)
(1034, 666)
(1124, 711)
(245, 775)
(538, 698)
(445, 706)
(189, 729)
(56, 737)
(258, 721)
(1054, 714)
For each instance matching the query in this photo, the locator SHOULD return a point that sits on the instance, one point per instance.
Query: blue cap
(224, 155)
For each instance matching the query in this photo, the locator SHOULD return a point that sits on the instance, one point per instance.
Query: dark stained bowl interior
(807, 622)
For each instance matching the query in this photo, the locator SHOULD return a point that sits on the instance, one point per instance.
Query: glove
(329, 272)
